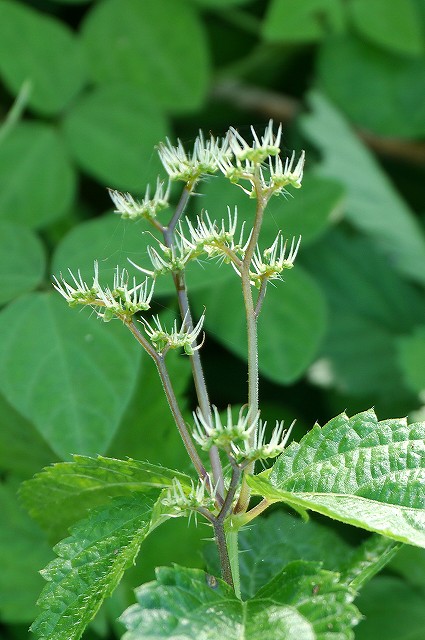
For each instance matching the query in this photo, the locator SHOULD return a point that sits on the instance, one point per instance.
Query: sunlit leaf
(306, 21)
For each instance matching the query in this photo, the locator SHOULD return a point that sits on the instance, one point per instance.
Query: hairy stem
(223, 553)
(195, 359)
(172, 401)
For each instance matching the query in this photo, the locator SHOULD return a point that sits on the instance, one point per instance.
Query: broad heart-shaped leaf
(290, 327)
(392, 104)
(63, 493)
(305, 21)
(37, 183)
(357, 470)
(29, 46)
(303, 601)
(269, 543)
(157, 47)
(373, 204)
(24, 550)
(394, 25)
(22, 260)
(90, 566)
(112, 132)
(69, 373)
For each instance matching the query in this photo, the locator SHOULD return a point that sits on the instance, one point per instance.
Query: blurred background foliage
(95, 86)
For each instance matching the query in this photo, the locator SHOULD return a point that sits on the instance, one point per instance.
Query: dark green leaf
(42, 50)
(159, 48)
(22, 260)
(392, 610)
(411, 354)
(370, 307)
(270, 543)
(37, 181)
(112, 133)
(388, 92)
(63, 493)
(306, 21)
(357, 470)
(188, 604)
(22, 449)
(69, 373)
(373, 204)
(394, 25)
(23, 551)
(90, 566)
(410, 563)
(291, 323)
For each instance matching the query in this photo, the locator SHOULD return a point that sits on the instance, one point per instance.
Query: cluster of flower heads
(123, 300)
(257, 163)
(182, 500)
(178, 338)
(244, 440)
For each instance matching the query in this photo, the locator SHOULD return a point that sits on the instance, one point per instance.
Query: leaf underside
(357, 470)
(64, 492)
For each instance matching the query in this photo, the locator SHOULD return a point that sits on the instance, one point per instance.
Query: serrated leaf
(188, 604)
(67, 372)
(90, 565)
(29, 46)
(63, 493)
(305, 21)
(37, 183)
(22, 260)
(269, 543)
(120, 36)
(395, 25)
(373, 204)
(112, 131)
(24, 550)
(357, 470)
(392, 104)
(291, 324)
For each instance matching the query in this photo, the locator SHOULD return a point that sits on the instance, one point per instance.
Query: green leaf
(371, 306)
(357, 470)
(37, 178)
(307, 21)
(69, 373)
(23, 551)
(159, 48)
(190, 604)
(29, 46)
(22, 260)
(410, 563)
(391, 104)
(369, 192)
(221, 3)
(392, 610)
(23, 451)
(112, 132)
(269, 543)
(90, 566)
(291, 324)
(411, 354)
(394, 25)
(63, 493)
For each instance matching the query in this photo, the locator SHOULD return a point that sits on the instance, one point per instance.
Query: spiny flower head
(169, 259)
(281, 175)
(148, 208)
(272, 261)
(260, 449)
(189, 167)
(121, 301)
(183, 500)
(259, 149)
(182, 337)
(222, 435)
